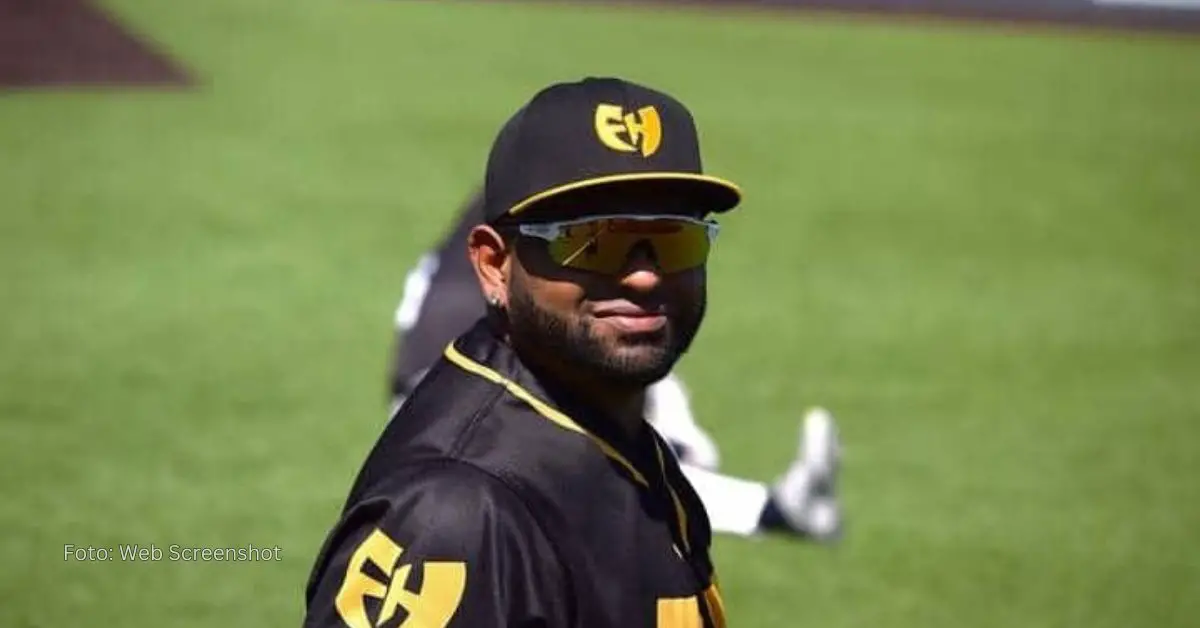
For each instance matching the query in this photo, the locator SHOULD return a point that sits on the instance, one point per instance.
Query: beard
(634, 360)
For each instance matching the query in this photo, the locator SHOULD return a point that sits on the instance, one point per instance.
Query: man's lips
(630, 318)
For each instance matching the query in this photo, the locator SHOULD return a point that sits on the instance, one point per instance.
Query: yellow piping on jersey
(544, 409)
(680, 512)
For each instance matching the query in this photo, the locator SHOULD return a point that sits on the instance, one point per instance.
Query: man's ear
(492, 260)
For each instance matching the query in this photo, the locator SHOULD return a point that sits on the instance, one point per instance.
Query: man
(518, 484)
(441, 299)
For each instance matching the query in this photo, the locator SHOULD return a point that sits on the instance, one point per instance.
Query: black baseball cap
(598, 138)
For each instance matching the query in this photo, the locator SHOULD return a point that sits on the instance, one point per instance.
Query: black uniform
(490, 500)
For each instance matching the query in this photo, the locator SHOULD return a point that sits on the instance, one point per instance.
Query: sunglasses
(603, 244)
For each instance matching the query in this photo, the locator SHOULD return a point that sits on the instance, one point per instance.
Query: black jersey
(490, 501)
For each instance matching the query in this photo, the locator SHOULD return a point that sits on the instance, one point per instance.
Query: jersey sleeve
(448, 546)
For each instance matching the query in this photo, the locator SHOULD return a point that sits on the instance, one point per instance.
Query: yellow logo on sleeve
(431, 607)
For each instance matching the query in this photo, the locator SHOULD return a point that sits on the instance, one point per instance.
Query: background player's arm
(416, 286)
(451, 546)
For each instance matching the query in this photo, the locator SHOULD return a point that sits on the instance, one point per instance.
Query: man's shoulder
(443, 505)
(436, 493)
(460, 528)
(465, 410)
(437, 415)
(474, 407)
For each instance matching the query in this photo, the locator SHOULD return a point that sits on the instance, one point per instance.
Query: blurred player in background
(441, 300)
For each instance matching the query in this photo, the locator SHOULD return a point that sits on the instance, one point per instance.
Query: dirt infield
(71, 42)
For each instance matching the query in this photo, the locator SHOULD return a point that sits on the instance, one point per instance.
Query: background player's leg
(803, 501)
(669, 410)
(734, 505)
(805, 498)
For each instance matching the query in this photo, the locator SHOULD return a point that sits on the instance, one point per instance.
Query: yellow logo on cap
(642, 128)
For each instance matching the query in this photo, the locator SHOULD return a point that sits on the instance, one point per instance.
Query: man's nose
(641, 272)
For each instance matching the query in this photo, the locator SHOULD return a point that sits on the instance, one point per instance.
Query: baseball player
(519, 484)
(441, 299)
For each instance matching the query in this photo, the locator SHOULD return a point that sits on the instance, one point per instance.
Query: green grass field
(976, 245)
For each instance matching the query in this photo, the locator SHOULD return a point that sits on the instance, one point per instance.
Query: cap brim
(699, 193)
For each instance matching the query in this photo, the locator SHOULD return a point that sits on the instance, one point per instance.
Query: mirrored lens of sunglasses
(604, 246)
